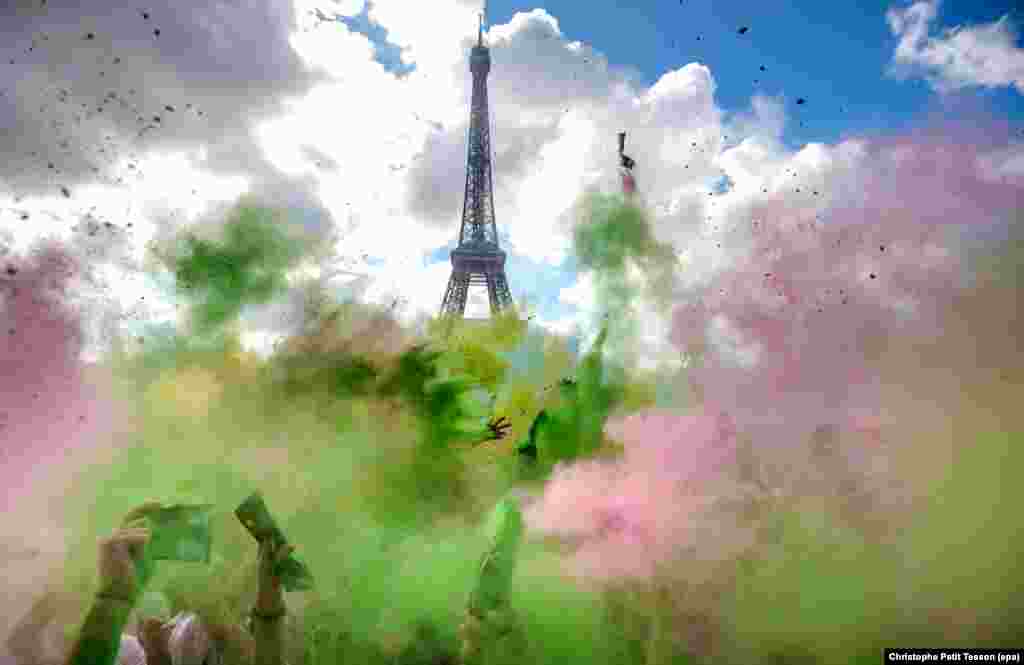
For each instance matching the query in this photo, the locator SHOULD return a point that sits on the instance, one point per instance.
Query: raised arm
(269, 612)
(124, 570)
(24, 639)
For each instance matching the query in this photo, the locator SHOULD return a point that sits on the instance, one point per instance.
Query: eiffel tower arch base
(482, 268)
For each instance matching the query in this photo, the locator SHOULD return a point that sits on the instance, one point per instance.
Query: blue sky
(833, 54)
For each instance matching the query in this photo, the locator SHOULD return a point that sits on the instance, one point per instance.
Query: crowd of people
(127, 625)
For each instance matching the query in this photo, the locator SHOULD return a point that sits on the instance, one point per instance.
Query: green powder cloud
(246, 267)
(613, 234)
(365, 453)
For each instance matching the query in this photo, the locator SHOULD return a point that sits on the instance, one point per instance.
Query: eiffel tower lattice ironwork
(478, 260)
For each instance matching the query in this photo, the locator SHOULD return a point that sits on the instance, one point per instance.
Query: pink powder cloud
(794, 327)
(51, 409)
(626, 518)
(796, 337)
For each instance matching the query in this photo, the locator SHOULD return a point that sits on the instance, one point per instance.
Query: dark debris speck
(743, 30)
(801, 101)
(156, 32)
(90, 36)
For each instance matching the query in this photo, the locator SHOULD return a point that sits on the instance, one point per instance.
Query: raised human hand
(270, 596)
(498, 428)
(124, 569)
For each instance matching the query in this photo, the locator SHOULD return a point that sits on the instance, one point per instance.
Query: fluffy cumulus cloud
(141, 123)
(148, 133)
(87, 90)
(984, 55)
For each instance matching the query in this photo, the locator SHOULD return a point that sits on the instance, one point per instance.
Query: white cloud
(308, 12)
(385, 157)
(551, 190)
(567, 326)
(416, 285)
(980, 55)
(334, 48)
(581, 294)
(431, 34)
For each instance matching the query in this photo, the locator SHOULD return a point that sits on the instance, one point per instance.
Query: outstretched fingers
(498, 428)
(130, 540)
(142, 511)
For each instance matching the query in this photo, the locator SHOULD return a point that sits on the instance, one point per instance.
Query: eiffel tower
(478, 260)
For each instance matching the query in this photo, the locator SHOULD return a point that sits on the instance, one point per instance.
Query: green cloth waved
(574, 429)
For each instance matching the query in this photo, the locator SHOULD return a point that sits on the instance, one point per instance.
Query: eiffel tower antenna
(478, 260)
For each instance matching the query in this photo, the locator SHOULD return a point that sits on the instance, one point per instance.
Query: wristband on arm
(111, 596)
(268, 616)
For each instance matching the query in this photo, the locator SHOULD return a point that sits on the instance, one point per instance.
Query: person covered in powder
(124, 571)
(574, 429)
(491, 631)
